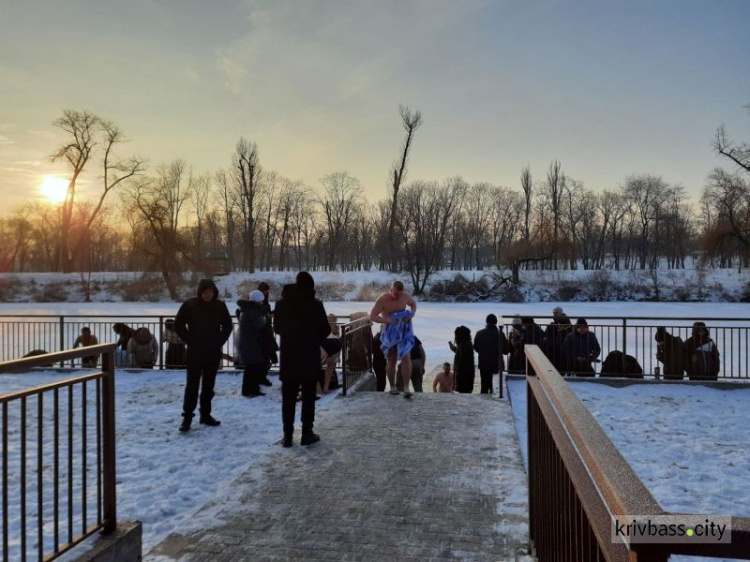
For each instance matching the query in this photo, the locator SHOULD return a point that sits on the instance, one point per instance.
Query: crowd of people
(310, 346)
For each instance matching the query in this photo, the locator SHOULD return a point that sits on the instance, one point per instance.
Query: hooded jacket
(204, 326)
(701, 355)
(300, 319)
(255, 337)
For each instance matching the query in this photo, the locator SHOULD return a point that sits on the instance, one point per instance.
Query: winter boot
(186, 421)
(308, 437)
(288, 432)
(210, 420)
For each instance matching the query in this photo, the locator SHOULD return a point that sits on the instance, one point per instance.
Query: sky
(608, 88)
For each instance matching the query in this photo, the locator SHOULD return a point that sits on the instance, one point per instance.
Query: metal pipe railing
(579, 482)
(356, 342)
(60, 501)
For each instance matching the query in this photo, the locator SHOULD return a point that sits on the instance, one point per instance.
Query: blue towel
(400, 334)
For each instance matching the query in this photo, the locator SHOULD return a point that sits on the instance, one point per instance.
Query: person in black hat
(580, 349)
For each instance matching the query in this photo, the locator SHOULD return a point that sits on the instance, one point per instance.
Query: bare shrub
(149, 288)
(567, 291)
(52, 292)
(600, 283)
(370, 291)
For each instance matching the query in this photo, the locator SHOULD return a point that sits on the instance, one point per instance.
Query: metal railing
(58, 458)
(21, 334)
(579, 481)
(356, 352)
(635, 336)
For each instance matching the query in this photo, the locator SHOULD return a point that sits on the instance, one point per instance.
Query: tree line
(167, 218)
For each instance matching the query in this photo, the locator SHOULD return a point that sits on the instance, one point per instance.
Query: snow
(690, 284)
(687, 443)
(165, 477)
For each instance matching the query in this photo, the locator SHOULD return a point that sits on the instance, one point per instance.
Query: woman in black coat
(463, 363)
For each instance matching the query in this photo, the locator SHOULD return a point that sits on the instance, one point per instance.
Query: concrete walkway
(435, 478)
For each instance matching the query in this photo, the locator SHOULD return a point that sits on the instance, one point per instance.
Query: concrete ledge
(124, 545)
(366, 382)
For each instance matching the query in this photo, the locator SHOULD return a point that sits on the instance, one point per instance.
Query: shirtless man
(443, 381)
(395, 300)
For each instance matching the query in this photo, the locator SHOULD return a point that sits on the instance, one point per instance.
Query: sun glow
(54, 188)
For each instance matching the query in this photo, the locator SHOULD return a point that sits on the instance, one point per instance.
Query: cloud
(5, 140)
(336, 50)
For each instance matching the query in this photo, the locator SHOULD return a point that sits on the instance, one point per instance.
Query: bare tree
(246, 174)
(86, 131)
(527, 187)
(158, 202)
(339, 204)
(555, 190)
(427, 215)
(411, 122)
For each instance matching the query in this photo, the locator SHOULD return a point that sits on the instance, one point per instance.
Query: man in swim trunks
(395, 302)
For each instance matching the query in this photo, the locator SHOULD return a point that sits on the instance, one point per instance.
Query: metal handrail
(348, 332)
(578, 481)
(103, 424)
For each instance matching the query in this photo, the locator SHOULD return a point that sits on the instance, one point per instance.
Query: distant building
(217, 263)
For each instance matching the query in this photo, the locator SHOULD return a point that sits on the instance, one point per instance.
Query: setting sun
(54, 188)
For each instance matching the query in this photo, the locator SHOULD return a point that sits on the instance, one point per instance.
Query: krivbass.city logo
(673, 528)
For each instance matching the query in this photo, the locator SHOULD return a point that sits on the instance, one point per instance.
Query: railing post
(344, 361)
(625, 335)
(161, 342)
(62, 338)
(108, 430)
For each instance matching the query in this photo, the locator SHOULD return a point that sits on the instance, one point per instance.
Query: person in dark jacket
(300, 319)
(490, 345)
(532, 332)
(554, 336)
(204, 324)
(619, 364)
(463, 362)
(516, 358)
(175, 355)
(255, 343)
(580, 349)
(701, 354)
(265, 288)
(670, 351)
(124, 332)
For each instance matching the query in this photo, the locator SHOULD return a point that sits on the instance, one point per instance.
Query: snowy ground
(164, 477)
(688, 444)
(690, 284)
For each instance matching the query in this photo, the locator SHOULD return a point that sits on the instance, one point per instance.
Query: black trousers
(290, 387)
(252, 377)
(465, 384)
(200, 376)
(485, 376)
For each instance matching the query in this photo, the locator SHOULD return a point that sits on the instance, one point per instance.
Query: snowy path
(437, 478)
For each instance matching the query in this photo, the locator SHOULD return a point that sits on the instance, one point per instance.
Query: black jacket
(301, 321)
(203, 326)
(490, 344)
(701, 357)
